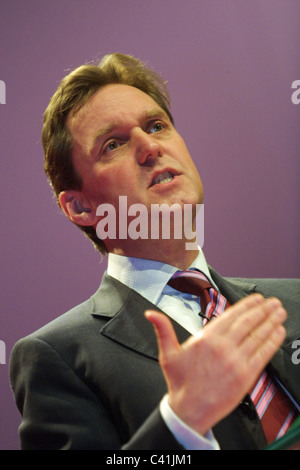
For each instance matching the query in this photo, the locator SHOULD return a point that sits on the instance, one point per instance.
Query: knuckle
(165, 361)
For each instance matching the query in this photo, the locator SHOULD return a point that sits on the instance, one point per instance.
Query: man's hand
(209, 374)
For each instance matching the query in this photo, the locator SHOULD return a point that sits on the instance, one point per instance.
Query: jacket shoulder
(287, 290)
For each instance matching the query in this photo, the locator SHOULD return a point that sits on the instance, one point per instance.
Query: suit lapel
(124, 309)
(233, 289)
(287, 371)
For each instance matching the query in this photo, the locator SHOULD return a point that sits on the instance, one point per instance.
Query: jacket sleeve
(59, 411)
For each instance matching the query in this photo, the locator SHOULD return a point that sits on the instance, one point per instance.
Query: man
(91, 379)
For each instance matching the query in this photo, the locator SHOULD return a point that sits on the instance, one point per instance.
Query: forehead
(110, 105)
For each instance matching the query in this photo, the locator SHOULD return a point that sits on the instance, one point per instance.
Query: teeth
(163, 178)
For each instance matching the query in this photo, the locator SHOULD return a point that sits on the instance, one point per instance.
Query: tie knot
(195, 282)
(192, 282)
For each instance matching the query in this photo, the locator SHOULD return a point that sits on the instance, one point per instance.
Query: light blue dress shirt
(149, 278)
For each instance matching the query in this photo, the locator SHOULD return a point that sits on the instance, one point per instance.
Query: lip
(160, 172)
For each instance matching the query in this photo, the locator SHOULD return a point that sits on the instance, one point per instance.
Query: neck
(172, 252)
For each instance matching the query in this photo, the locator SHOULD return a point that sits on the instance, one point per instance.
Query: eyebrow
(156, 113)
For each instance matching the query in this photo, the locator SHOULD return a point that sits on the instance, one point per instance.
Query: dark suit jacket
(91, 379)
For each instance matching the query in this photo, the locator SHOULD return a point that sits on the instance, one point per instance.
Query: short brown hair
(72, 93)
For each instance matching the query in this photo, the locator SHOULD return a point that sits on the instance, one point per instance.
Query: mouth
(163, 178)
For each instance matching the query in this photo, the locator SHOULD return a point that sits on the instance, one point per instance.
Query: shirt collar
(148, 277)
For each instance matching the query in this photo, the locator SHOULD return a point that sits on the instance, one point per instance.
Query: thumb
(166, 336)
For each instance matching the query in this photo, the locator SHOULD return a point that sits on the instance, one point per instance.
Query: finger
(166, 336)
(235, 312)
(269, 333)
(267, 349)
(259, 322)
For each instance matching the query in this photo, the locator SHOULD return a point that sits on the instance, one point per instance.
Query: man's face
(125, 145)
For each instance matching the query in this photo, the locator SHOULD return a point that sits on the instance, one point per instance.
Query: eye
(156, 127)
(111, 145)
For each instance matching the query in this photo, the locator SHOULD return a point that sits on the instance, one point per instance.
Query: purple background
(230, 65)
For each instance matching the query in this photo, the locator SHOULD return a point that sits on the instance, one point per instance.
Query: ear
(76, 208)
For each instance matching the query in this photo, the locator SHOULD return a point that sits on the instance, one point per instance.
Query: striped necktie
(275, 410)
(194, 282)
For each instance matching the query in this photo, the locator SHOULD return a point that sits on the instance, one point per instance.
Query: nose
(147, 147)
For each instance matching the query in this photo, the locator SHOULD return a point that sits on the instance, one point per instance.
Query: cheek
(106, 186)
(181, 151)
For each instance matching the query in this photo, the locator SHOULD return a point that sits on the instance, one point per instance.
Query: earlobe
(76, 210)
